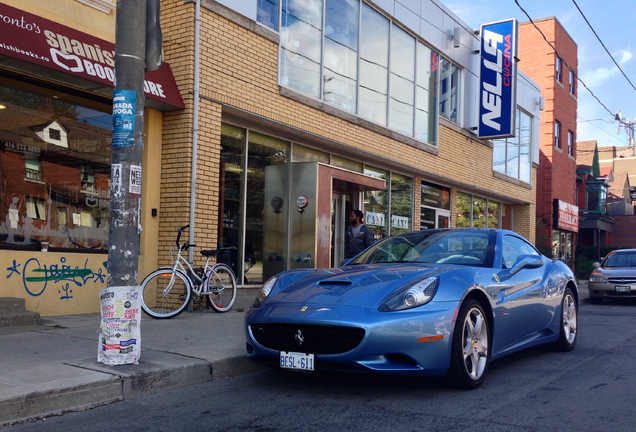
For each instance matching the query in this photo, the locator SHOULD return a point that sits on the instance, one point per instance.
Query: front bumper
(610, 290)
(411, 342)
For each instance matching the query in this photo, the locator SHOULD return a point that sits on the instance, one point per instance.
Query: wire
(602, 44)
(557, 52)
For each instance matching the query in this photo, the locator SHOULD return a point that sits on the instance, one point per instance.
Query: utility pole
(127, 143)
(629, 127)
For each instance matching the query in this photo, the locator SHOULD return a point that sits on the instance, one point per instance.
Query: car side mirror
(523, 262)
(526, 262)
(596, 265)
(345, 262)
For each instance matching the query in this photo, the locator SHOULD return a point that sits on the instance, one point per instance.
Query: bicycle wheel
(221, 286)
(165, 293)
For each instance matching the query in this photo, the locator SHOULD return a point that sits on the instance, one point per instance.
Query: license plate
(623, 288)
(296, 360)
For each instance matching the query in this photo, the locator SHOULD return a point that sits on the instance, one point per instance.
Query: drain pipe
(195, 125)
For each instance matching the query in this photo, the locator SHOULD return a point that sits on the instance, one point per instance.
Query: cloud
(599, 76)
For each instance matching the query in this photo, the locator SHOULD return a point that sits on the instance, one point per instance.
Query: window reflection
(374, 63)
(54, 171)
(402, 90)
(401, 204)
(449, 90)
(345, 62)
(375, 205)
(511, 156)
(301, 45)
(267, 13)
(426, 94)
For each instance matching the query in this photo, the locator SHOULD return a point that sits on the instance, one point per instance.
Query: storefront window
(477, 212)
(463, 209)
(232, 189)
(347, 164)
(306, 154)
(54, 172)
(401, 204)
(435, 206)
(375, 205)
(267, 175)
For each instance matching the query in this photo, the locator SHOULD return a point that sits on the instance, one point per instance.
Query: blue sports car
(434, 302)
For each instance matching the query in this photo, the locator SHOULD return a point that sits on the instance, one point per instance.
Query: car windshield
(462, 247)
(620, 259)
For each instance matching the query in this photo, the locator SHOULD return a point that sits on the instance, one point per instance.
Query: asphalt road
(592, 388)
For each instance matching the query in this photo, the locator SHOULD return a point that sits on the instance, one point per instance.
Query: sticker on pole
(124, 113)
(116, 179)
(120, 334)
(135, 180)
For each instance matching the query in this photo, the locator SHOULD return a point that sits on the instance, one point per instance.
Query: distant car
(431, 302)
(614, 277)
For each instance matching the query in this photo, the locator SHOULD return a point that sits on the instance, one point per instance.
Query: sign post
(119, 335)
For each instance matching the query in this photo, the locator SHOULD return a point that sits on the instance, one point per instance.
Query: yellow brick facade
(239, 72)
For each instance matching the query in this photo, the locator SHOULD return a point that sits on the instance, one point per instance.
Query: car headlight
(597, 279)
(413, 296)
(263, 293)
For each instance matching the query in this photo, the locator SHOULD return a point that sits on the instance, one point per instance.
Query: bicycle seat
(209, 253)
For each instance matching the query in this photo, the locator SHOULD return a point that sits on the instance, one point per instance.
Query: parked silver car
(614, 277)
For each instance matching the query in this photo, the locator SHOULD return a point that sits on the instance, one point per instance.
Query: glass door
(341, 206)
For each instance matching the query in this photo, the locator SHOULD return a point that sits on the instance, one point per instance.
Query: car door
(522, 310)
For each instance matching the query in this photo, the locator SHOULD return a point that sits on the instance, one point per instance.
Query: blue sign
(498, 78)
(124, 113)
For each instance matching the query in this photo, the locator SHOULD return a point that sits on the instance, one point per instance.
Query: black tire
(221, 286)
(470, 352)
(568, 333)
(158, 303)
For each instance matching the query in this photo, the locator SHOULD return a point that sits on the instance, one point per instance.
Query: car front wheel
(569, 322)
(470, 350)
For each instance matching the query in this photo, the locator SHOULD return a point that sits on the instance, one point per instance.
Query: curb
(157, 372)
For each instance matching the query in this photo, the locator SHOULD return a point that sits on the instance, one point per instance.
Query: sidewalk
(53, 368)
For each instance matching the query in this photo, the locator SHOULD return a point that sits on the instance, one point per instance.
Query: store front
(435, 206)
(56, 85)
(566, 225)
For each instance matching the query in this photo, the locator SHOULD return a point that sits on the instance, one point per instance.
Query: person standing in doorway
(358, 236)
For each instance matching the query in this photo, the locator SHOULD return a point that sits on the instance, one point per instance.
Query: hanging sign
(497, 80)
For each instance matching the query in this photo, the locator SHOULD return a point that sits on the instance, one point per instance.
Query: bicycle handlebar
(179, 231)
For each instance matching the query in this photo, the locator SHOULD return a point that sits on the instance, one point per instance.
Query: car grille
(316, 339)
(622, 280)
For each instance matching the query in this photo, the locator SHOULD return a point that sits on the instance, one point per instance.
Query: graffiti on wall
(37, 277)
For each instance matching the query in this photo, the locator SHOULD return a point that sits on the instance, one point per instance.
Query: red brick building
(554, 67)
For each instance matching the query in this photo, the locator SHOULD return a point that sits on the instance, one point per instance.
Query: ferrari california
(433, 302)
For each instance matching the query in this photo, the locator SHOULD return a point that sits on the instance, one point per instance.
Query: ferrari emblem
(304, 309)
(299, 337)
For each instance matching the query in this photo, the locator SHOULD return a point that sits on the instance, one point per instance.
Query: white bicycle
(167, 291)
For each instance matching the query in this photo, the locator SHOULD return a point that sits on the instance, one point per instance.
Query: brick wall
(626, 226)
(557, 169)
(239, 71)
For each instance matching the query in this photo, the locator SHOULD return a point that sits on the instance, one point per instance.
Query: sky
(614, 23)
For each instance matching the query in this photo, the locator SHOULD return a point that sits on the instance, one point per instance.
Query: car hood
(357, 285)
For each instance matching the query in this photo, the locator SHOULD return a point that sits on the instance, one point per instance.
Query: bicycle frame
(196, 281)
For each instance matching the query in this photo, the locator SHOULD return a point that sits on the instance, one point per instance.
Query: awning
(39, 47)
